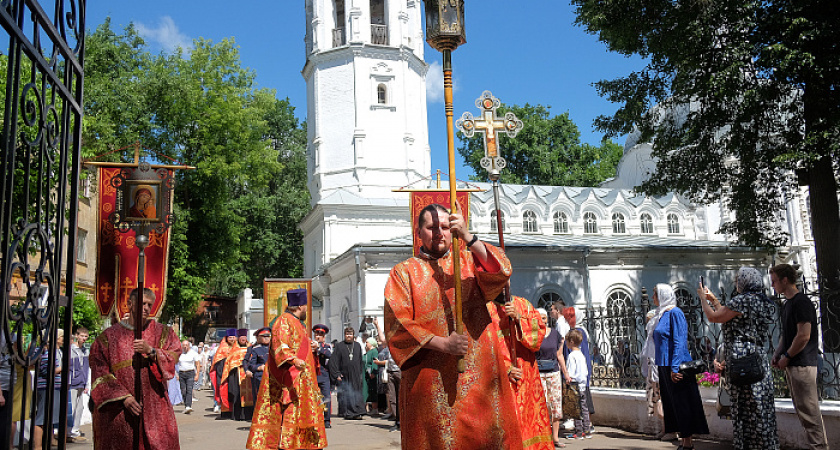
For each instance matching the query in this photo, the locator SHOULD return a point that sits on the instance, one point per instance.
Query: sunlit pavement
(202, 431)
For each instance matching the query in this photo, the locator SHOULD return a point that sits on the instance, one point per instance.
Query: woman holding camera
(745, 321)
(681, 401)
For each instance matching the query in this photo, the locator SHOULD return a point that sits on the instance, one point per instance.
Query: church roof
(578, 243)
(342, 196)
(550, 194)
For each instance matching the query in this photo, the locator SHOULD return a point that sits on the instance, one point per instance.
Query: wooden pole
(453, 199)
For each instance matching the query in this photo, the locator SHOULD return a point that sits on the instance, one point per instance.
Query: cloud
(166, 35)
(434, 83)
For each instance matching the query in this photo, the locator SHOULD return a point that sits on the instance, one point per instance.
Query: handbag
(724, 401)
(571, 400)
(383, 376)
(746, 370)
(693, 368)
(547, 365)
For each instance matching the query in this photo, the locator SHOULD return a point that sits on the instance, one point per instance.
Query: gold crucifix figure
(490, 125)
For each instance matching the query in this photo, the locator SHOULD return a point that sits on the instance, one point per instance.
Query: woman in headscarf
(371, 373)
(681, 403)
(745, 320)
(552, 367)
(650, 371)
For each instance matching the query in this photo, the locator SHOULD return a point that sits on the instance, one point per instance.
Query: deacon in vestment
(527, 333)
(115, 409)
(439, 407)
(256, 357)
(289, 410)
(347, 366)
(239, 399)
(216, 369)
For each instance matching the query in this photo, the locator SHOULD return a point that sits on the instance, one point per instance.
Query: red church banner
(116, 273)
(422, 199)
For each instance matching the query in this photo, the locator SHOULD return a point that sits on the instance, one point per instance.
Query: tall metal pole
(142, 241)
(453, 199)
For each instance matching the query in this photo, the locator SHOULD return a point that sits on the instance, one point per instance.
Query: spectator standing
(552, 373)
(681, 403)
(393, 385)
(579, 373)
(256, 357)
(347, 368)
(746, 319)
(797, 353)
(41, 392)
(560, 323)
(570, 314)
(79, 368)
(653, 394)
(371, 377)
(202, 372)
(189, 364)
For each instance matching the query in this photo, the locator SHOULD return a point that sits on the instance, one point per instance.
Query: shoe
(394, 428)
(216, 409)
(188, 410)
(388, 416)
(558, 444)
(573, 436)
(587, 435)
(195, 399)
(327, 425)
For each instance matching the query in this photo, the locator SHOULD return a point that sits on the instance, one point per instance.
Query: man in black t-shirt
(797, 353)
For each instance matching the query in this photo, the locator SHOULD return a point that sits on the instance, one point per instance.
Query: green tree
(747, 96)
(547, 151)
(203, 109)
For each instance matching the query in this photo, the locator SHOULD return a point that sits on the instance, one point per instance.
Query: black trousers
(238, 412)
(324, 385)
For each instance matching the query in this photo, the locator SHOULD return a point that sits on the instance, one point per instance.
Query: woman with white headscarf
(745, 320)
(681, 403)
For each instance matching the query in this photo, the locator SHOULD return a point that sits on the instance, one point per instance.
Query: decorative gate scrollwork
(40, 143)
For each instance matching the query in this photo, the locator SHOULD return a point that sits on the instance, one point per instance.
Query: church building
(367, 135)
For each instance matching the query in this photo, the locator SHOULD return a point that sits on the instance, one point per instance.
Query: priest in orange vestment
(289, 411)
(521, 325)
(115, 409)
(239, 399)
(439, 407)
(216, 369)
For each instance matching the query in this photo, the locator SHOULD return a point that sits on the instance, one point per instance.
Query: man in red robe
(440, 408)
(116, 411)
(289, 409)
(521, 325)
(239, 399)
(216, 369)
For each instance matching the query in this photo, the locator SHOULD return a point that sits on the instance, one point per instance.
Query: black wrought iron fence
(617, 334)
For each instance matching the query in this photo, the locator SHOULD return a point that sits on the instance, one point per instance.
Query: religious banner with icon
(422, 199)
(275, 301)
(116, 273)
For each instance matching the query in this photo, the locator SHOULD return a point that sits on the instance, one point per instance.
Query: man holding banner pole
(448, 409)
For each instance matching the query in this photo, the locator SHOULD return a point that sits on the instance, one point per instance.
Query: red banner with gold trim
(116, 273)
(422, 199)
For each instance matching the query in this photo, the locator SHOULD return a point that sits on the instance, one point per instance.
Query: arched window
(529, 221)
(382, 94)
(548, 298)
(561, 223)
(493, 224)
(590, 223)
(618, 224)
(673, 224)
(647, 224)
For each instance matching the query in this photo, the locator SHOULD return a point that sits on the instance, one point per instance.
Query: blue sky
(523, 55)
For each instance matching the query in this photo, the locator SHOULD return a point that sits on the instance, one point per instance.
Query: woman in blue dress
(681, 403)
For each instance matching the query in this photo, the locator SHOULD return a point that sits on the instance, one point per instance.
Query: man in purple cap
(323, 351)
(256, 357)
(288, 408)
(240, 399)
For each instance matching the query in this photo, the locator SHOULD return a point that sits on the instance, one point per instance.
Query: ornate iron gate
(41, 137)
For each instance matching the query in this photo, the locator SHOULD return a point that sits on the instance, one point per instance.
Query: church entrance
(41, 89)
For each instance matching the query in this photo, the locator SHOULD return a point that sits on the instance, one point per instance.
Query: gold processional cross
(490, 125)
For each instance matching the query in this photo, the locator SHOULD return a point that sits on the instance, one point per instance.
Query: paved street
(201, 431)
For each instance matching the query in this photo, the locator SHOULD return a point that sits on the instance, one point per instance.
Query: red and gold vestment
(289, 413)
(440, 408)
(235, 361)
(113, 380)
(528, 334)
(221, 354)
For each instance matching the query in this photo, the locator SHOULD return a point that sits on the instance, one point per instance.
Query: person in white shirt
(560, 324)
(202, 370)
(578, 372)
(190, 364)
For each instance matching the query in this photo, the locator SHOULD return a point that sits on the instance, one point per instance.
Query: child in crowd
(576, 368)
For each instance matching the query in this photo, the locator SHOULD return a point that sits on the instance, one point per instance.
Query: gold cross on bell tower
(490, 125)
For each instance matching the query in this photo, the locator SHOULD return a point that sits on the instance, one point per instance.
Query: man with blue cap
(256, 357)
(323, 352)
(289, 410)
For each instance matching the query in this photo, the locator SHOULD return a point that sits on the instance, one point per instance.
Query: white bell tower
(366, 121)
